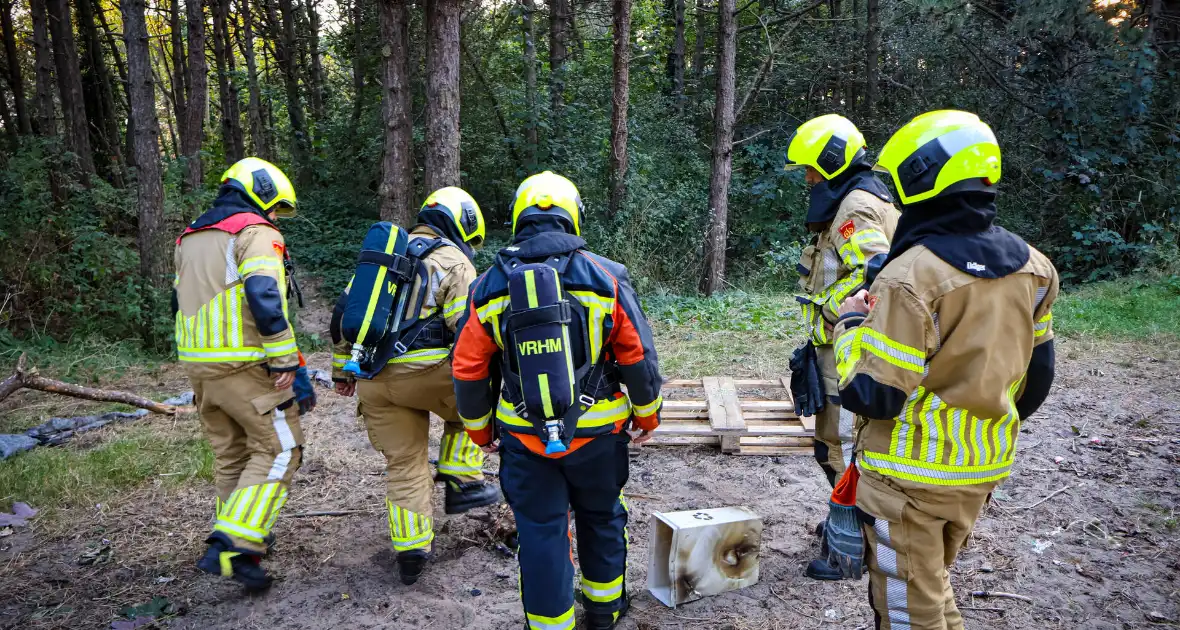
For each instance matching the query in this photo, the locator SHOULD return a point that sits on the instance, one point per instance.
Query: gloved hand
(304, 391)
(846, 541)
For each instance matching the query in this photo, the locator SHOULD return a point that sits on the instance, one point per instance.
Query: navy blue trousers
(542, 492)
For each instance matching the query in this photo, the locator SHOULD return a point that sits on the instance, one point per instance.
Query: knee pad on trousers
(821, 457)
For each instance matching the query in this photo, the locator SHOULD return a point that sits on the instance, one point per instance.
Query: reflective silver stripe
(274, 511)
(913, 360)
(215, 321)
(231, 266)
(905, 423)
(934, 437)
(235, 316)
(1041, 293)
(229, 355)
(244, 500)
(916, 469)
(957, 436)
(477, 424)
(278, 469)
(937, 334)
(612, 592)
(259, 513)
(896, 599)
(535, 624)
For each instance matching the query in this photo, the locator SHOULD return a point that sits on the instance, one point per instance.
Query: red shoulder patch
(279, 249)
(848, 229)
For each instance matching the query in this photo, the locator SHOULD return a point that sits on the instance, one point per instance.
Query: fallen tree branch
(1002, 595)
(328, 513)
(29, 378)
(1053, 494)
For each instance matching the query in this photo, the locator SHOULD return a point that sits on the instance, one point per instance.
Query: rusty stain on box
(697, 553)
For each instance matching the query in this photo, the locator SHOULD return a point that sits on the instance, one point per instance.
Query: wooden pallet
(740, 424)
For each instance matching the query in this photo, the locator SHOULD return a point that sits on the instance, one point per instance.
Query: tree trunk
(397, 180)
(69, 83)
(558, 37)
(442, 94)
(43, 70)
(286, 49)
(872, 53)
(99, 100)
(317, 66)
(16, 82)
(358, 65)
(153, 237)
(227, 89)
(718, 232)
(119, 65)
(6, 119)
(528, 37)
(619, 94)
(698, 45)
(258, 143)
(179, 94)
(192, 127)
(676, 53)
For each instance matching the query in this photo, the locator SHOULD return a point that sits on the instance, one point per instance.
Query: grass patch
(72, 476)
(734, 333)
(1135, 309)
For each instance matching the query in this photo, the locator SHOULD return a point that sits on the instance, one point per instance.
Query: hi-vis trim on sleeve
(454, 307)
(564, 621)
(338, 360)
(853, 252)
(852, 343)
(650, 408)
(602, 592)
(476, 424)
(492, 309)
(280, 348)
(1043, 324)
(259, 263)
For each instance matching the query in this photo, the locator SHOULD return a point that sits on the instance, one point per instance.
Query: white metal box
(697, 553)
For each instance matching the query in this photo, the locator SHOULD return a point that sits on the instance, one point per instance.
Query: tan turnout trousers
(257, 448)
(833, 426)
(396, 408)
(918, 531)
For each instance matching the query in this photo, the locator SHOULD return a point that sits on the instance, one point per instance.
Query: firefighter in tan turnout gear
(852, 218)
(943, 357)
(410, 378)
(237, 346)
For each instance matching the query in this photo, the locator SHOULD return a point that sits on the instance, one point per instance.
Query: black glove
(304, 391)
(806, 386)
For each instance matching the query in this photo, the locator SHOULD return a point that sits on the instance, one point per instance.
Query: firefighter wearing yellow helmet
(411, 378)
(236, 344)
(950, 348)
(851, 218)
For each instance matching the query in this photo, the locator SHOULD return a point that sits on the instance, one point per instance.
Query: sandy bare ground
(1104, 553)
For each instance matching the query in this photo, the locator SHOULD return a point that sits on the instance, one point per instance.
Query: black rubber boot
(461, 497)
(821, 570)
(604, 620)
(222, 559)
(410, 565)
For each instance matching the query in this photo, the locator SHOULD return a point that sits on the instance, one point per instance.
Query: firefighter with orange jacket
(551, 333)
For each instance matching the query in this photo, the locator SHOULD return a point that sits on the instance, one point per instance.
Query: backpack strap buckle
(587, 400)
(400, 348)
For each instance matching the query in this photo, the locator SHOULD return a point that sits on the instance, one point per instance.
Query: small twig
(648, 497)
(983, 609)
(1002, 595)
(328, 513)
(1055, 493)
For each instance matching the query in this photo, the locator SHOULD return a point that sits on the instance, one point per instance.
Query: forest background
(670, 115)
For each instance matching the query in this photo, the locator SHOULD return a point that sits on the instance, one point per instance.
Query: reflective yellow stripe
(936, 474)
(864, 338)
(530, 287)
(493, 308)
(425, 354)
(462, 456)
(407, 529)
(259, 263)
(543, 384)
(454, 307)
(338, 360)
(1042, 325)
(603, 413)
(602, 592)
(378, 286)
(280, 348)
(852, 252)
(216, 355)
(649, 408)
(564, 621)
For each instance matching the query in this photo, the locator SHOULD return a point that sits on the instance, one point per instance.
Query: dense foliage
(1084, 96)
